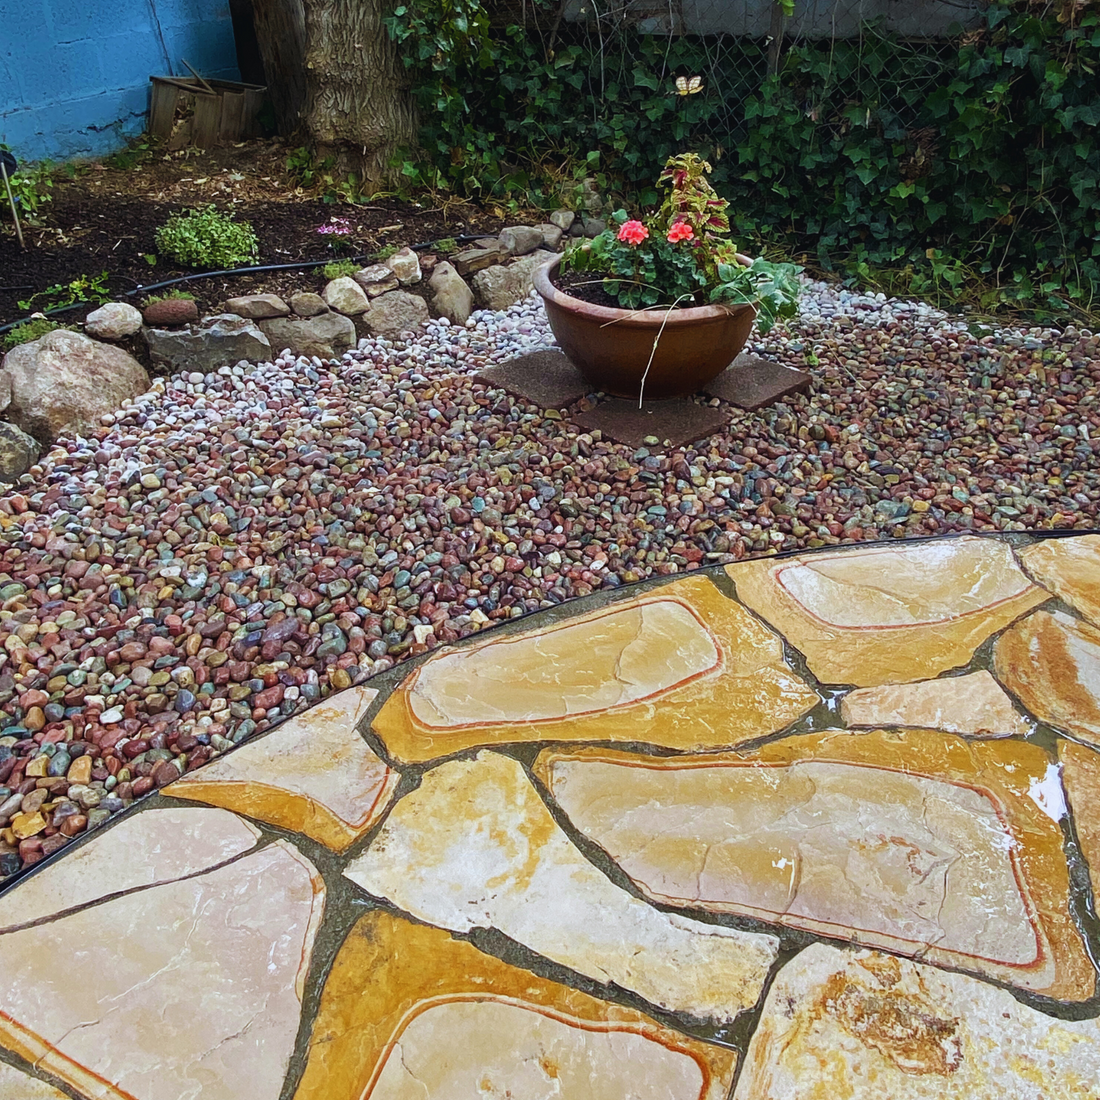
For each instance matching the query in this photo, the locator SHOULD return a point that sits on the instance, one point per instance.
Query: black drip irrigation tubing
(233, 271)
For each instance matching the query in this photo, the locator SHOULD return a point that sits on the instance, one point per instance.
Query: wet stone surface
(725, 835)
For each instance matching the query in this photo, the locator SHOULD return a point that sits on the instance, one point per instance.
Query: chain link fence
(883, 56)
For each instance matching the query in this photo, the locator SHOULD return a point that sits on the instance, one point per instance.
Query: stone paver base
(825, 825)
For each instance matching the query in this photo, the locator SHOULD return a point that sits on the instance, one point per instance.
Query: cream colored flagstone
(1081, 776)
(975, 704)
(475, 847)
(1070, 568)
(889, 613)
(683, 666)
(313, 774)
(409, 1013)
(918, 842)
(17, 1085)
(1051, 662)
(190, 990)
(153, 846)
(865, 1026)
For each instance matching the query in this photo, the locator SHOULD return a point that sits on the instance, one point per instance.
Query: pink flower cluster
(681, 231)
(633, 232)
(339, 227)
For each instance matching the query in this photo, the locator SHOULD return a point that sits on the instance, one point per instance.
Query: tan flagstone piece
(865, 1026)
(890, 613)
(17, 1085)
(408, 1013)
(475, 847)
(313, 775)
(1081, 776)
(684, 667)
(183, 991)
(1051, 662)
(155, 846)
(1070, 568)
(917, 842)
(975, 704)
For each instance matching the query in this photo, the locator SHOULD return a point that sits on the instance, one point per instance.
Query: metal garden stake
(8, 161)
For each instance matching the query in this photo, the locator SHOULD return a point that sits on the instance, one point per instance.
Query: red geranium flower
(681, 231)
(633, 232)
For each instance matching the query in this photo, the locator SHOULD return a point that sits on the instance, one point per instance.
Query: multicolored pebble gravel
(232, 547)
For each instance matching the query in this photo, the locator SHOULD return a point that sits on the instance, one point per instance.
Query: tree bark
(281, 34)
(335, 76)
(358, 109)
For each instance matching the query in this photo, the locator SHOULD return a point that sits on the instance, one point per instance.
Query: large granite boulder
(501, 286)
(345, 296)
(257, 307)
(452, 299)
(18, 452)
(327, 335)
(218, 341)
(114, 321)
(399, 311)
(65, 381)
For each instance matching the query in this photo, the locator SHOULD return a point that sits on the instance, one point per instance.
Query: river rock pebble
(236, 544)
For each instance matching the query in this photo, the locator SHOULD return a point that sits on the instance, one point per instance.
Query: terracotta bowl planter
(611, 347)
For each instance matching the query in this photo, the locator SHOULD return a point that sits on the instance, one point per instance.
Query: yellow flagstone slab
(408, 1013)
(151, 847)
(17, 1085)
(1081, 775)
(891, 613)
(1070, 568)
(840, 1025)
(975, 704)
(474, 846)
(683, 667)
(1051, 662)
(918, 842)
(313, 774)
(191, 989)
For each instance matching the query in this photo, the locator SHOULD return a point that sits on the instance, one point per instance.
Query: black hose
(231, 271)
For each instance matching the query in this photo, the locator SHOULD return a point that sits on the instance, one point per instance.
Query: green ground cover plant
(27, 331)
(207, 238)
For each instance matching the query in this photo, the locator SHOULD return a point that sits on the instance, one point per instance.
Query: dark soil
(588, 287)
(105, 219)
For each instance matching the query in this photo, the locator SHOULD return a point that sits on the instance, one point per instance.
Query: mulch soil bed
(105, 219)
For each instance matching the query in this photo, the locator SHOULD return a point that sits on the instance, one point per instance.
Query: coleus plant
(683, 254)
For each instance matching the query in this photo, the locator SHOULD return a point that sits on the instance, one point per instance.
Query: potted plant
(672, 301)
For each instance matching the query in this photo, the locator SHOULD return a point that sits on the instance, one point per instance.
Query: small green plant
(207, 238)
(339, 268)
(385, 252)
(28, 331)
(84, 288)
(446, 246)
(138, 152)
(168, 295)
(31, 186)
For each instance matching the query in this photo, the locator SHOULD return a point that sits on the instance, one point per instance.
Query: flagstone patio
(818, 826)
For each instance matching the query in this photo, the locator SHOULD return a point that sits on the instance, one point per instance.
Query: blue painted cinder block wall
(74, 74)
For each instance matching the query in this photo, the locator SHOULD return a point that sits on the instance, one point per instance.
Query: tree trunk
(358, 109)
(281, 34)
(334, 74)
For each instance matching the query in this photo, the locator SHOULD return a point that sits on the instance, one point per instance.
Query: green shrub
(28, 331)
(385, 252)
(339, 268)
(446, 246)
(209, 239)
(168, 295)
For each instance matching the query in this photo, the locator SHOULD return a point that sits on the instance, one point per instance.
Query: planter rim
(653, 317)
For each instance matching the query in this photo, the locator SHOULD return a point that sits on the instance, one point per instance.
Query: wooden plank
(162, 108)
(206, 121)
(232, 116)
